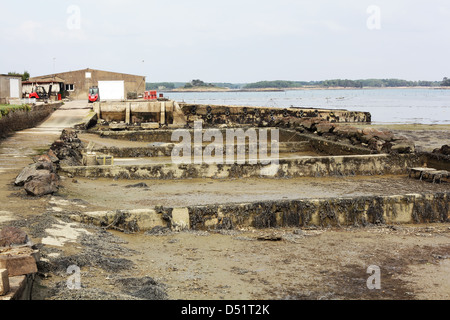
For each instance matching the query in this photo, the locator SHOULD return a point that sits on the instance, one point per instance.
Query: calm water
(425, 106)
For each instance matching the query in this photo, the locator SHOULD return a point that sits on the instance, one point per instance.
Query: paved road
(15, 151)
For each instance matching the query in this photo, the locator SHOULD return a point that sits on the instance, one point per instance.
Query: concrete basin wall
(213, 115)
(331, 212)
(364, 165)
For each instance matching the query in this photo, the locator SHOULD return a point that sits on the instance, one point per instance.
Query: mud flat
(284, 237)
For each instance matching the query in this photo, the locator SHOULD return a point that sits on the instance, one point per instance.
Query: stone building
(75, 84)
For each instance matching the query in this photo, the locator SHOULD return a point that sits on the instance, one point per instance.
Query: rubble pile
(68, 148)
(41, 178)
(377, 140)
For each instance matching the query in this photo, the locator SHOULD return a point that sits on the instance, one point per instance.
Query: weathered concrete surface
(334, 212)
(88, 122)
(360, 211)
(162, 112)
(4, 282)
(296, 167)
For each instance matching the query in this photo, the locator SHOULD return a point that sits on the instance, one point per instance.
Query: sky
(229, 41)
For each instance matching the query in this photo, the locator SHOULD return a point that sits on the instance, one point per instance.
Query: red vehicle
(40, 93)
(94, 94)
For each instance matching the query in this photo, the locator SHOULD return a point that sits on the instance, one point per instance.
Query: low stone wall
(266, 116)
(363, 165)
(331, 212)
(360, 211)
(24, 119)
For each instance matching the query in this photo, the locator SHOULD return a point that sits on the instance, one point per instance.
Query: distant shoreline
(206, 90)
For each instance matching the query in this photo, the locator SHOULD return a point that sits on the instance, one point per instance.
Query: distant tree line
(344, 83)
(282, 84)
(160, 86)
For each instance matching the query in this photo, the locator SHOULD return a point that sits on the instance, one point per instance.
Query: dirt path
(17, 151)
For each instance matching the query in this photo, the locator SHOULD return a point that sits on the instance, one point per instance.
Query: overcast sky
(229, 41)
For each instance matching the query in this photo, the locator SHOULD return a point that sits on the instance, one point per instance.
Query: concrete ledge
(325, 212)
(88, 122)
(358, 211)
(359, 165)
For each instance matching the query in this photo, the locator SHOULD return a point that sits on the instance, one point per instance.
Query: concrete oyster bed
(314, 145)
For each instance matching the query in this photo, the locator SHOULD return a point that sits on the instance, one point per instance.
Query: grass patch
(6, 109)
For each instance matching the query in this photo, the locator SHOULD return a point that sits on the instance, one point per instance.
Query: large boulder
(324, 127)
(370, 133)
(32, 170)
(43, 183)
(310, 123)
(26, 174)
(348, 132)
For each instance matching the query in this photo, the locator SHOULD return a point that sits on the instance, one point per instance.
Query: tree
(198, 83)
(445, 82)
(25, 75)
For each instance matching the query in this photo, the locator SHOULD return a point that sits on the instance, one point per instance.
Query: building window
(88, 75)
(70, 87)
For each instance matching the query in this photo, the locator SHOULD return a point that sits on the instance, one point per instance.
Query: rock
(445, 150)
(52, 156)
(139, 185)
(32, 170)
(324, 127)
(43, 183)
(375, 144)
(348, 132)
(11, 236)
(310, 123)
(42, 158)
(45, 165)
(370, 133)
(403, 146)
(26, 174)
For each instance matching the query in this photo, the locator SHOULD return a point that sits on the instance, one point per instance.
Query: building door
(14, 86)
(111, 90)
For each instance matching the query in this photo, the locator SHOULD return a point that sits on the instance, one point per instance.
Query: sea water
(423, 106)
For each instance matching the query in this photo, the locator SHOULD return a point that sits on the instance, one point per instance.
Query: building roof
(44, 79)
(82, 70)
(10, 76)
